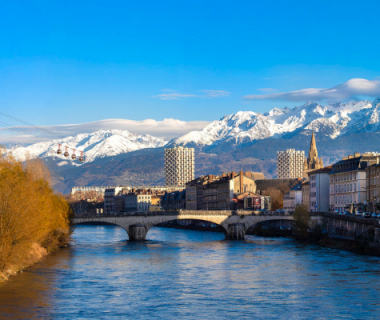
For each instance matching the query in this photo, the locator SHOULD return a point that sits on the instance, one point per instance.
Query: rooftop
(322, 170)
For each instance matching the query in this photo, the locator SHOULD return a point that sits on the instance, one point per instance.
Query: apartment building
(292, 198)
(216, 192)
(109, 198)
(373, 187)
(306, 194)
(290, 164)
(348, 183)
(179, 166)
(137, 201)
(319, 194)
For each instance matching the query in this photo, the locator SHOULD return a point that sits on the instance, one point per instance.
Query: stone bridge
(137, 224)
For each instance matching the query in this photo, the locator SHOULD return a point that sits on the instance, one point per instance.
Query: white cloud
(350, 89)
(216, 93)
(166, 129)
(174, 96)
(266, 89)
(178, 96)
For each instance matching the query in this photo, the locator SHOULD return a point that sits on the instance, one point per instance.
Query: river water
(182, 274)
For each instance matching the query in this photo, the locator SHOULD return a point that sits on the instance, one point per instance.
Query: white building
(348, 181)
(290, 164)
(179, 166)
(319, 190)
(109, 198)
(293, 197)
(138, 202)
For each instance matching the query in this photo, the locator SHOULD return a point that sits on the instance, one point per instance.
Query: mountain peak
(97, 144)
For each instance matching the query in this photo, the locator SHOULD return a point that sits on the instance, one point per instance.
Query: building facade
(292, 198)
(306, 194)
(217, 192)
(174, 200)
(179, 166)
(373, 187)
(348, 183)
(319, 190)
(137, 202)
(109, 199)
(290, 164)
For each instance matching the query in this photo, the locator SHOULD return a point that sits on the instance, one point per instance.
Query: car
(283, 228)
(376, 215)
(341, 213)
(347, 213)
(366, 214)
(359, 214)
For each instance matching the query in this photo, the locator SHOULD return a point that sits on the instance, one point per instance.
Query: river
(182, 274)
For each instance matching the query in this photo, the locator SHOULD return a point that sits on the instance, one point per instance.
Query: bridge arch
(137, 225)
(96, 222)
(221, 226)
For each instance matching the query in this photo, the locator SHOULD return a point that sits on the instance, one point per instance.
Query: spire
(313, 145)
(313, 153)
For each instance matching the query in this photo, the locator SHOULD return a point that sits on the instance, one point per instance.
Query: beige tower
(312, 162)
(179, 166)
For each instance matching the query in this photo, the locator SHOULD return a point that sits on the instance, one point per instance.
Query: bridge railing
(183, 212)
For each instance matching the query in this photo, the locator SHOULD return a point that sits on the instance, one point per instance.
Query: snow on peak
(331, 120)
(98, 144)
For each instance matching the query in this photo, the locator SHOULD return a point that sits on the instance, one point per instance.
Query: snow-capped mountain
(98, 144)
(230, 132)
(331, 121)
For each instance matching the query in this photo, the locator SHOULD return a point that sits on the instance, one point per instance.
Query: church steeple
(313, 162)
(313, 153)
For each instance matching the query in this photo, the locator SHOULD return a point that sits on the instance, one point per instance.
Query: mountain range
(245, 140)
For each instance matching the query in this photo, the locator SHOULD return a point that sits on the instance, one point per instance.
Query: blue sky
(81, 61)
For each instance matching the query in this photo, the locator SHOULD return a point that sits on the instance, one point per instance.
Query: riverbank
(360, 247)
(34, 221)
(35, 253)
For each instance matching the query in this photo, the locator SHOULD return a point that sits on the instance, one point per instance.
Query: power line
(7, 126)
(30, 124)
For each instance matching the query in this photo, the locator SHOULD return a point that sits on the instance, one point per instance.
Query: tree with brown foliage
(277, 195)
(30, 213)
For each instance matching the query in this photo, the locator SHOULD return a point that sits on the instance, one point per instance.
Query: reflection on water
(190, 274)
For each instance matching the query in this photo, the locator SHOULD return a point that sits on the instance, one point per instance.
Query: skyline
(81, 63)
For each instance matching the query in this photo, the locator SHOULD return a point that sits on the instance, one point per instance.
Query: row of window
(344, 177)
(374, 181)
(374, 193)
(343, 188)
(343, 199)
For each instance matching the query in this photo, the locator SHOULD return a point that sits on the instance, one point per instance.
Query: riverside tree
(301, 218)
(31, 216)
